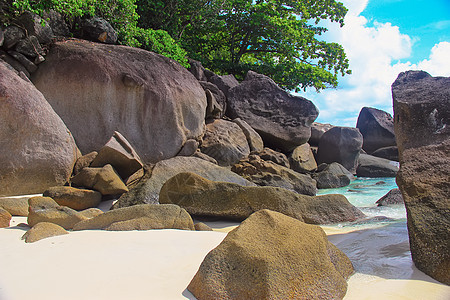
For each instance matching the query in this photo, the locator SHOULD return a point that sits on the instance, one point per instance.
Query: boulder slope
(422, 118)
(37, 149)
(154, 102)
(273, 256)
(203, 197)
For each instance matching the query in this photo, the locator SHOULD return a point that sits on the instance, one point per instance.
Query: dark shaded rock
(205, 198)
(189, 148)
(43, 230)
(161, 114)
(275, 156)
(422, 118)
(30, 66)
(204, 156)
(147, 190)
(37, 149)
(35, 25)
(14, 65)
(30, 46)
(83, 162)
(5, 218)
(219, 97)
(57, 23)
(13, 35)
(393, 197)
(16, 206)
(78, 199)
(332, 176)
(317, 130)
(390, 153)
(377, 128)
(213, 109)
(225, 142)
(2, 37)
(197, 69)
(278, 257)
(371, 166)
(267, 173)
(224, 83)
(282, 120)
(302, 159)
(140, 217)
(254, 140)
(97, 30)
(120, 154)
(341, 145)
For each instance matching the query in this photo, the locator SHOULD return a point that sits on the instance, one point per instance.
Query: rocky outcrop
(393, 197)
(225, 142)
(283, 121)
(97, 30)
(274, 156)
(254, 140)
(140, 217)
(341, 145)
(151, 100)
(84, 161)
(302, 159)
(332, 176)
(147, 190)
(224, 83)
(203, 197)
(120, 154)
(422, 118)
(37, 149)
(43, 230)
(371, 166)
(273, 256)
(78, 199)
(390, 153)
(5, 218)
(377, 128)
(317, 130)
(16, 206)
(268, 173)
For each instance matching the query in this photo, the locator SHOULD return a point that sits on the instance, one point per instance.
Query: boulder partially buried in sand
(273, 256)
(203, 197)
(43, 230)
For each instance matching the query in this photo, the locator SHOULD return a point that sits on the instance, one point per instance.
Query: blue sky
(383, 38)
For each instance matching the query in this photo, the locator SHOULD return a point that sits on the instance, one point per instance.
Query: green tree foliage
(120, 13)
(278, 38)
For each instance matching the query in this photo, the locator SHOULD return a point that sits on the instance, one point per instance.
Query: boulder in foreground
(273, 256)
(43, 230)
(205, 198)
(422, 129)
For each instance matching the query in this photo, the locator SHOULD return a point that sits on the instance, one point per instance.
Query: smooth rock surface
(283, 120)
(16, 206)
(254, 140)
(302, 159)
(372, 166)
(422, 118)
(377, 128)
(151, 100)
(37, 149)
(333, 176)
(390, 153)
(5, 218)
(43, 230)
(78, 199)
(273, 256)
(147, 191)
(205, 198)
(393, 197)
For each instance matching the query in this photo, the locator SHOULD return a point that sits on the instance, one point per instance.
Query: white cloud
(374, 50)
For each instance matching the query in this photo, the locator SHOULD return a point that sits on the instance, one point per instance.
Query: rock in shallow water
(273, 256)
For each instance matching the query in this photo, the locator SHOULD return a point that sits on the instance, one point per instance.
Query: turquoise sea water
(364, 193)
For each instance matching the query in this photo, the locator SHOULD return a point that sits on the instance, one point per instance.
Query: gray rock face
(422, 118)
(197, 70)
(272, 256)
(203, 197)
(38, 151)
(147, 190)
(97, 30)
(390, 153)
(224, 83)
(30, 46)
(372, 166)
(254, 140)
(151, 100)
(219, 100)
(283, 121)
(393, 197)
(317, 130)
(36, 26)
(275, 156)
(377, 128)
(342, 145)
(13, 35)
(333, 176)
(302, 159)
(225, 142)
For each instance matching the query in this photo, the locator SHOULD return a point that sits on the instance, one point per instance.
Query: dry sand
(159, 264)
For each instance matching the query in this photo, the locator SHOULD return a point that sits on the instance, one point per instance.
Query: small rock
(105, 180)
(189, 148)
(204, 156)
(275, 156)
(219, 96)
(371, 166)
(30, 46)
(35, 25)
(202, 227)
(393, 197)
(254, 140)
(31, 67)
(390, 153)
(17, 206)
(213, 109)
(98, 30)
(332, 176)
(43, 230)
(197, 69)
(83, 162)
(5, 218)
(78, 199)
(224, 83)
(13, 35)
(302, 159)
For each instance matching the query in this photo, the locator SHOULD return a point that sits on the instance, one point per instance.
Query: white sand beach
(159, 264)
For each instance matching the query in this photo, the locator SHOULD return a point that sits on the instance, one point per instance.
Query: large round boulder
(97, 89)
(37, 149)
(341, 145)
(377, 128)
(273, 256)
(283, 120)
(421, 122)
